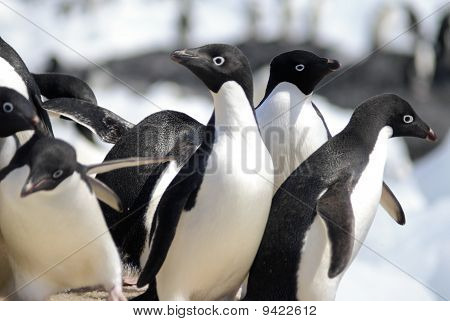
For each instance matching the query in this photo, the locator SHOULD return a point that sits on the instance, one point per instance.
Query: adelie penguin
(322, 212)
(14, 74)
(291, 125)
(45, 179)
(16, 115)
(204, 228)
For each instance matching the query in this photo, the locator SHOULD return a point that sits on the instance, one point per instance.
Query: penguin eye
(408, 119)
(8, 107)
(57, 174)
(219, 60)
(300, 67)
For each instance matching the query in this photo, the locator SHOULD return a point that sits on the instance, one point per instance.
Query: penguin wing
(105, 194)
(391, 204)
(55, 85)
(20, 158)
(108, 166)
(335, 208)
(388, 199)
(322, 119)
(107, 125)
(179, 196)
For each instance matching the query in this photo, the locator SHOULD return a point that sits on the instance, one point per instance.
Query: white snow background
(119, 28)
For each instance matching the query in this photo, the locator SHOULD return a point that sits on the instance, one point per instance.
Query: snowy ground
(406, 256)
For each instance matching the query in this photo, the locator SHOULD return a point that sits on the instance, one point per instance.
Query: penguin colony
(262, 200)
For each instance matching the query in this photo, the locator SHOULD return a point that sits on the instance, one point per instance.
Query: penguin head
(216, 64)
(301, 68)
(391, 110)
(51, 162)
(16, 113)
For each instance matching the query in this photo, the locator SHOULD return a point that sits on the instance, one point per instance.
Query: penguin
(157, 135)
(292, 126)
(45, 179)
(201, 216)
(16, 115)
(322, 212)
(14, 74)
(38, 87)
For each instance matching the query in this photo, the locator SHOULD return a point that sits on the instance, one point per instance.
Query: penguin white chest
(367, 191)
(217, 240)
(60, 232)
(291, 128)
(313, 282)
(11, 79)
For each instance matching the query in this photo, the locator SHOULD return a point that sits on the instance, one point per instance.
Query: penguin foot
(116, 294)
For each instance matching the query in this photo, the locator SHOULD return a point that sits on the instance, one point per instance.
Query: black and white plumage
(104, 123)
(65, 243)
(16, 114)
(14, 74)
(160, 134)
(292, 126)
(322, 212)
(202, 217)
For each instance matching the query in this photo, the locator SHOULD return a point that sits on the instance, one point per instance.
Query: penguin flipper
(111, 165)
(105, 194)
(335, 208)
(56, 85)
(102, 122)
(391, 204)
(322, 119)
(20, 158)
(178, 197)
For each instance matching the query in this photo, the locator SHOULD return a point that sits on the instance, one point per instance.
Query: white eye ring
(219, 60)
(300, 67)
(8, 107)
(57, 174)
(408, 119)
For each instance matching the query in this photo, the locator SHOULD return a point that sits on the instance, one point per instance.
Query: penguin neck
(286, 101)
(232, 107)
(368, 128)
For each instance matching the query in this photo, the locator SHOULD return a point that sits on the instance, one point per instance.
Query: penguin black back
(156, 135)
(322, 185)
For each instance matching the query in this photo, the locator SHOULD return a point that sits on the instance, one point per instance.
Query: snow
(119, 28)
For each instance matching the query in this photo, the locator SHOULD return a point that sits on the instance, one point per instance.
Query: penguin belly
(56, 239)
(291, 128)
(160, 187)
(11, 79)
(217, 240)
(8, 147)
(313, 283)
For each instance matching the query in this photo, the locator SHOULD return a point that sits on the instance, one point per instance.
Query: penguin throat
(232, 107)
(286, 102)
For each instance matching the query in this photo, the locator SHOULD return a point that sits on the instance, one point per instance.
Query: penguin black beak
(30, 187)
(333, 65)
(431, 136)
(182, 56)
